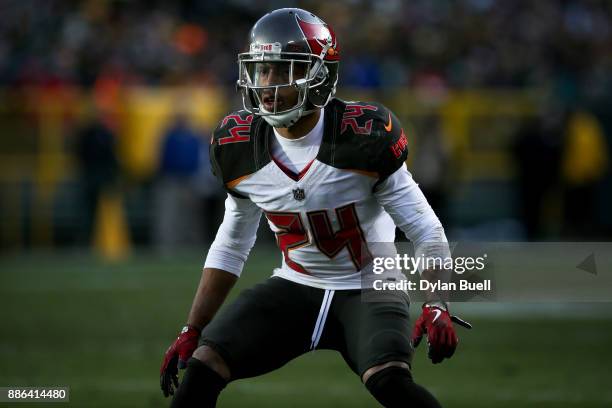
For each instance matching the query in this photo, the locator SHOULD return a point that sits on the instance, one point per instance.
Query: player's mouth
(269, 103)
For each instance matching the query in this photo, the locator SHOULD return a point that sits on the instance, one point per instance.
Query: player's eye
(270, 74)
(263, 70)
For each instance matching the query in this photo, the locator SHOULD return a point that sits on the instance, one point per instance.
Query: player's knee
(379, 367)
(212, 359)
(394, 387)
(200, 386)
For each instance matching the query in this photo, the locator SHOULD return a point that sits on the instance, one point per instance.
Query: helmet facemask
(266, 78)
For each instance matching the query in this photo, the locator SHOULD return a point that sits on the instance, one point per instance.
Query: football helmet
(289, 48)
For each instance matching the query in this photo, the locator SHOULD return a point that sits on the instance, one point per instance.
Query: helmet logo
(321, 39)
(274, 48)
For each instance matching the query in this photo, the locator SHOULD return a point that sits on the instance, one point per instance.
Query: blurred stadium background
(107, 204)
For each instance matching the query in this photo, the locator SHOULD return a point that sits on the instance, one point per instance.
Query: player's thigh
(373, 331)
(262, 329)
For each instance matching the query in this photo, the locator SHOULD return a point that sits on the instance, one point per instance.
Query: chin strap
(287, 119)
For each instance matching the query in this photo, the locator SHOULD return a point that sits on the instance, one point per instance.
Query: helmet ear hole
(319, 95)
(322, 74)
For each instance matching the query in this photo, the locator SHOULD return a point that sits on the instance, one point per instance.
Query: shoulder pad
(368, 137)
(237, 147)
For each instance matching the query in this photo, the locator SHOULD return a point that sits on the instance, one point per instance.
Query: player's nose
(274, 77)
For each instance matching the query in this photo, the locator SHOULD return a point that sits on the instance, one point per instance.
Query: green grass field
(69, 319)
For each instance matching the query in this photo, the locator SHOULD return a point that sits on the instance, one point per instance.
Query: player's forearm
(434, 247)
(436, 276)
(215, 284)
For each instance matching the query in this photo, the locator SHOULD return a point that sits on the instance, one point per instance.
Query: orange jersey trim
(235, 182)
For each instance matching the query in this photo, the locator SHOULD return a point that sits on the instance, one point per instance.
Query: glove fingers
(449, 347)
(169, 382)
(417, 335)
(162, 385)
(447, 343)
(437, 324)
(442, 344)
(434, 347)
(434, 355)
(166, 388)
(172, 383)
(416, 341)
(169, 375)
(169, 363)
(433, 338)
(453, 340)
(176, 357)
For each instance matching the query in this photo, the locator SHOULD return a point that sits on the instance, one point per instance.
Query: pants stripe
(318, 329)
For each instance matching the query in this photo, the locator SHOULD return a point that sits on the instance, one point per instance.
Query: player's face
(273, 74)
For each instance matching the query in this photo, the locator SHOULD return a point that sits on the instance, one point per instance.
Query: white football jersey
(352, 193)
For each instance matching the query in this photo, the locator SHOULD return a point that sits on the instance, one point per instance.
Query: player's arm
(226, 257)
(403, 200)
(215, 285)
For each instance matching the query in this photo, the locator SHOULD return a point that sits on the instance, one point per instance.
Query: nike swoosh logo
(389, 125)
(438, 313)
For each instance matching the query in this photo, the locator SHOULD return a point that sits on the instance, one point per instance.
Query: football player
(330, 178)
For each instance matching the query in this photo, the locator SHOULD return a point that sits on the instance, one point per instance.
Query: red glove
(176, 357)
(436, 322)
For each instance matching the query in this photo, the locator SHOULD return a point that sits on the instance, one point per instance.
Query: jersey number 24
(292, 235)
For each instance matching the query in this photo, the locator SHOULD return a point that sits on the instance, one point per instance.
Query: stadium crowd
(471, 43)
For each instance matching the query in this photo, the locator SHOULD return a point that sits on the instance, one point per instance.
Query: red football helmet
(288, 48)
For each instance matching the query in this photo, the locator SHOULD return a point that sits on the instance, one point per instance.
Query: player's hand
(437, 324)
(176, 357)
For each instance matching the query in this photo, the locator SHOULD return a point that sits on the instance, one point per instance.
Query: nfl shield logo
(299, 194)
